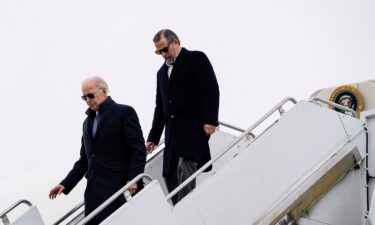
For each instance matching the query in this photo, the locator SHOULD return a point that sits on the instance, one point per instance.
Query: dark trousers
(181, 170)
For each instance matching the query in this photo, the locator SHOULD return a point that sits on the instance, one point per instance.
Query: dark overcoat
(114, 156)
(184, 103)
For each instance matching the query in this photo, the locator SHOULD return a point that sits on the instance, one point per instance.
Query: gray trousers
(182, 171)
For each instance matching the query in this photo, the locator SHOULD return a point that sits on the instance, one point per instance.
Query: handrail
(226, 149)
(3, 215)
(161, 142)
(231, 126)
(235, 128)
(220, 123)
(77, 218)
(69, 213)
(113, 197)
(334, 104)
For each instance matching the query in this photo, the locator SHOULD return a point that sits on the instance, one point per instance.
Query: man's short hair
(100, 82)
(168, 34)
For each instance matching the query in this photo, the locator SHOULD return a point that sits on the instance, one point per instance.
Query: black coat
(114, 156)
(184, 103)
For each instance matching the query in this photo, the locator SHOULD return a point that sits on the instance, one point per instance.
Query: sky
(261, 51)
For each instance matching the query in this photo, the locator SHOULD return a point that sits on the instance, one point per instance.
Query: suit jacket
(184, 103)
(114, 156)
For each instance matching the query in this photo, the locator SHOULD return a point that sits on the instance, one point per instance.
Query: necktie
(95, 124)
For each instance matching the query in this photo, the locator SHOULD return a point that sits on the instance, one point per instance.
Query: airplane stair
(277, 177)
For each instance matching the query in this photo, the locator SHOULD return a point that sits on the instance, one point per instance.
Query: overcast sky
(261, 51)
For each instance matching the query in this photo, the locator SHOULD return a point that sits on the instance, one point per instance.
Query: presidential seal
(349, 97)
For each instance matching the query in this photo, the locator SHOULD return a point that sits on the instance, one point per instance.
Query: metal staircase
(287, 174)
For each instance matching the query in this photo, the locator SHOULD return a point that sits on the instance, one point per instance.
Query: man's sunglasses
(90, 95)
(163, 50)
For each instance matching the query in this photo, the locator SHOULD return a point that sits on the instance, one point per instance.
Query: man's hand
(150, 146)
(57, 190)
(209, 129)
(133, 188)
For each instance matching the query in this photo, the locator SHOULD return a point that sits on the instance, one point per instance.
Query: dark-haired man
(187, 104)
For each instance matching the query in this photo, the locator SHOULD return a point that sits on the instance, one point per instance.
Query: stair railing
(3, 215)
(335, 105)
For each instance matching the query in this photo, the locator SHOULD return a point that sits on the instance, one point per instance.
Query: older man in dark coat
(112, 152)
(187, 104)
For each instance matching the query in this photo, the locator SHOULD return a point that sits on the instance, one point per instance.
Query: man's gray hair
(100, 82)
(168, 34)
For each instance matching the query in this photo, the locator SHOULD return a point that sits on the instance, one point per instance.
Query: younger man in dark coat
(187, 105)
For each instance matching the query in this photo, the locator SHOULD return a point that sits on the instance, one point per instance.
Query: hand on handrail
(209, 129)
(150, 146)
(133, 188)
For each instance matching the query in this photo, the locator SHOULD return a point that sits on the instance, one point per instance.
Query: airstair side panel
(344, 204)
(30, 217)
